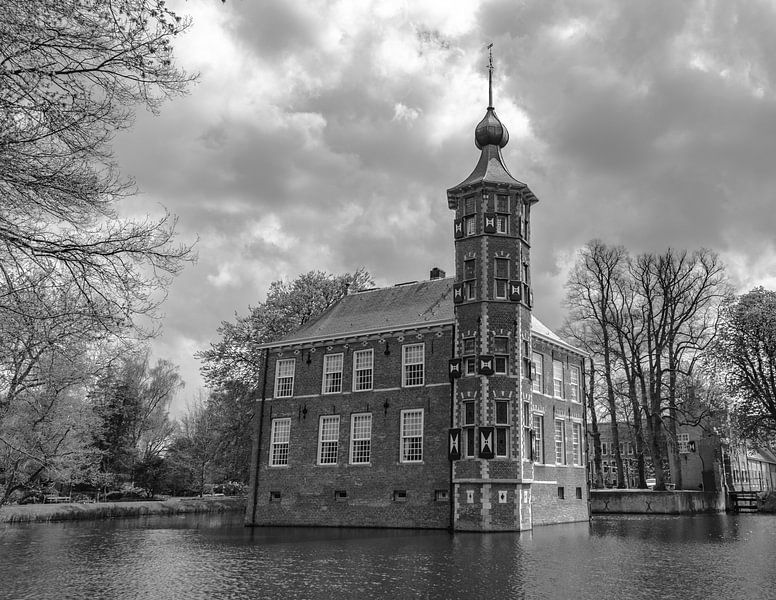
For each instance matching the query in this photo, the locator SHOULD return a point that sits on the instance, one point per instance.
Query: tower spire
(490, 75)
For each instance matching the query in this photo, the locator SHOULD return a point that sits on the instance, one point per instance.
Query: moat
(214, 556)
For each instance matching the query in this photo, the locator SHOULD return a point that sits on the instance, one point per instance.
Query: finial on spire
(490, 75)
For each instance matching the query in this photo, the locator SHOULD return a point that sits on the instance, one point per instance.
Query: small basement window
(561, 493)
(275, 496)
(399, 495)
(340, 495)
(441, 495)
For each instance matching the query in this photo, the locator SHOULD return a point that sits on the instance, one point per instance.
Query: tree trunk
(598, 482)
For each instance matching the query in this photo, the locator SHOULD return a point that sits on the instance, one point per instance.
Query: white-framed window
(363, 370)
(557, 378)
(328, 439)
(469, 359)
(682, 439)
(501, 355)
(538, 438)
(537, 361)
(360, 438)
(284, 377)
(332, 373)
(280, 437)
(574, 383)
(560, 442)
(502, 428)
(411, 442)
(413, 364)
(501, 277)
(576, 442)
(502, 223)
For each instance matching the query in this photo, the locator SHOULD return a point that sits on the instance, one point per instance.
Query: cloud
(324, 135)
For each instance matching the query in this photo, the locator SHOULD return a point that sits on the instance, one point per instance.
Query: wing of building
(435, 404)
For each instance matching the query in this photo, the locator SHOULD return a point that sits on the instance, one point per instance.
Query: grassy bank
(39, 513)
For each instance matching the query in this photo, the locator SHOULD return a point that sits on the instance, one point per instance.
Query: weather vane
(490, 75)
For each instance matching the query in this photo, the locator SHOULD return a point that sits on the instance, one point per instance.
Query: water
(214, 556)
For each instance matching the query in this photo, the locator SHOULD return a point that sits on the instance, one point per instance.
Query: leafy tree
(132, 401)
(46, 368)
(747, 353)
(235, 359)
(71, 74)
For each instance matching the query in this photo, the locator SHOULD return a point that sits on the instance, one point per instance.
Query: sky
(323, 135)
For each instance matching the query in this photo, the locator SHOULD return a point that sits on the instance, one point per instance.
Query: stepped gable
(392, 308)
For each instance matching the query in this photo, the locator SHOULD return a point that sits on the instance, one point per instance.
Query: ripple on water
(718, 556)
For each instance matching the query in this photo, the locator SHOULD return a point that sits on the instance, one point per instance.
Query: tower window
(502, 214)
(527, 450)
(501, 355)
(501, 271)
(469, 206)
(469, 361)
(470, 281)
(502, 428)
(470, 225)
(468, 431)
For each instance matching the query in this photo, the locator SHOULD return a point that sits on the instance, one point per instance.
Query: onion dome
(490, 131)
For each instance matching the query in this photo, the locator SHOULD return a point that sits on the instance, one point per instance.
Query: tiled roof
(392, 308)
(405, 306)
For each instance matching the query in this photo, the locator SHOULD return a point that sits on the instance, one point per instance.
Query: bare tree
(589, 298)
(71, 73)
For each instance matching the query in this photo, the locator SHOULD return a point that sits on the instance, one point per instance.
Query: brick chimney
(436, 273)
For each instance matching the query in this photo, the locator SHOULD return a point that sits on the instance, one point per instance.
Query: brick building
(438, 404)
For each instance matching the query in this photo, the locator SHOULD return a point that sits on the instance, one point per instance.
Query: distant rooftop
(395, 308)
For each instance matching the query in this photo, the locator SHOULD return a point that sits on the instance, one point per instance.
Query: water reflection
(717, 556)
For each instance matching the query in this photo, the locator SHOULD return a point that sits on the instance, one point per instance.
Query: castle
(434, 404)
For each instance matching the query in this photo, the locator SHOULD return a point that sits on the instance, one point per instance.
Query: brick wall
(386, 492)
